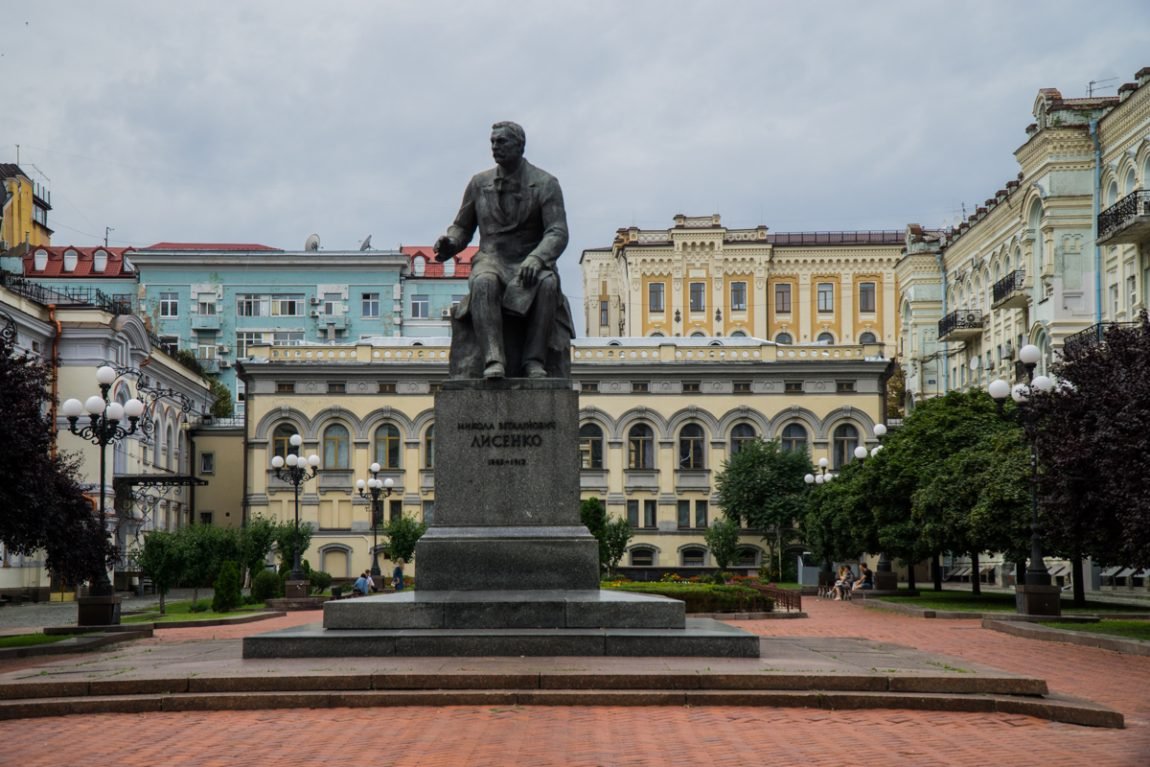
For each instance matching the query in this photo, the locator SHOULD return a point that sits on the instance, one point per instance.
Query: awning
(1061, 568)
(1110, 572)
(964, 570)
(1125, 572)
(986, 568)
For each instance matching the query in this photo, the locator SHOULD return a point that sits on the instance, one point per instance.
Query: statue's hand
(530, 271)
(445, 247)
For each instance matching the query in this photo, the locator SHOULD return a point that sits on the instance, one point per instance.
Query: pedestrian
(362, 585)
(397, 576)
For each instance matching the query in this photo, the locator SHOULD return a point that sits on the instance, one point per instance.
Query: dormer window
(40, 260)
(100, 261)
(70, 259)
(418, 265)
(449, 267)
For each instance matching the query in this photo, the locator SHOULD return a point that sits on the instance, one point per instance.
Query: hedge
(704, 597)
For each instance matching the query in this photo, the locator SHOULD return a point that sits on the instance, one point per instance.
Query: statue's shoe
(493, 370)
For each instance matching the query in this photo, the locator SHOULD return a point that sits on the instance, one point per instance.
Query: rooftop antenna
(107, 229)
(366, 244)
(1094, 85)
(312, 242)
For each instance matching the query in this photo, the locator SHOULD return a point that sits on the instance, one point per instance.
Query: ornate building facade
(658, 417)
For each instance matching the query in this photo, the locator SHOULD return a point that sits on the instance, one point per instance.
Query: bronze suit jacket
(517, 216)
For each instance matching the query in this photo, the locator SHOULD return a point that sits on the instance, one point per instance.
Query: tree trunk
(1020, 571)
(163, 602)
(936, 571)
(975, 575)
(910, 582)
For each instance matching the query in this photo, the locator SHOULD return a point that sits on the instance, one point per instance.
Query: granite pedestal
(507, 568)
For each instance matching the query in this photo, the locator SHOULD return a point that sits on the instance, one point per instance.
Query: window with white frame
(287, 338)
(206, 304)
(826, 297)
(288, 305)
(207, 463)
(369, 304)
(698, 293)
(420, 306)
(252, 305)
(169, 304)
(246, 338)
(738, 296)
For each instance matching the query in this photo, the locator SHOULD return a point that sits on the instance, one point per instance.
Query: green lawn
(181, 610)
(1124, 629)
(964, 601)
(28, 640)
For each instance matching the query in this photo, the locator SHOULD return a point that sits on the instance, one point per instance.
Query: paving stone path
(610, 736)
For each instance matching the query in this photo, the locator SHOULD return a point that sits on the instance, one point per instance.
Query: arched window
(794, 437)
(693, 556)
(642, 556)
(826, 338)
(738, 334)
(418, 265)
(336, 447)
(742, 435)
(1111, 198)
(120, 451)
(281, 440)
(70, 259)
(691, 447)
(429, 448)
(449, 267)
(656, 334)
(157, 442)
(100, 260)
(1035, 222)
(747, 557)
(640, 447)
(170, 445)
(784, 338)
(846, 439)
(590, 446)
(698, 334)
(387, 448)
(867, 338)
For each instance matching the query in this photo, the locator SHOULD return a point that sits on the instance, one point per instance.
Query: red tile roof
(85, 256)
(212, 246)
(433, 268)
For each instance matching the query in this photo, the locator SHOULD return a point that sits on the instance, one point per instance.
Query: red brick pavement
(598, 737)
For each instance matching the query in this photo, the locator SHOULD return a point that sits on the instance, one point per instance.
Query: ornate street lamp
(1037, 596)
(105, 427)
(376, 490)
(296, 470)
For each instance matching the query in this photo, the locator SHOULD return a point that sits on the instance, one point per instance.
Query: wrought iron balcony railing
(1122, 213)
(1092, 336)
(960, 320)
(1008, 285)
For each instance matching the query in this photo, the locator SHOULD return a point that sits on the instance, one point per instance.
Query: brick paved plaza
(602, 736)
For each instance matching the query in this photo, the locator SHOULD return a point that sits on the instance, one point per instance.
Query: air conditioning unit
(314, 302)
(314, 314)
(223, 349)
(225, 363)
(445, 314)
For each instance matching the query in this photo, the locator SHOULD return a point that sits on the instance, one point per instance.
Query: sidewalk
(500, 734)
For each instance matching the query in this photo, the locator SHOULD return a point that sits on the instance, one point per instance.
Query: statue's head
(507, 142)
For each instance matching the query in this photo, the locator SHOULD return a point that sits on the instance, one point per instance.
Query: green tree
(161, 559)
(762, 485)
(205, 548)
(256, 540)
(288, 540)
(43, 506)
(227, 592)
(222, 404)
(722, 539)
(403, 532)
(593, 514)
(616, 535)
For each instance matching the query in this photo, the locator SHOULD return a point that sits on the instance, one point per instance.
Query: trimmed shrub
(266, 585)
(705, 597)
(320, 581)
(227, 590)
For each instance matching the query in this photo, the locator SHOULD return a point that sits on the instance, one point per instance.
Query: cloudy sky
(267, 121)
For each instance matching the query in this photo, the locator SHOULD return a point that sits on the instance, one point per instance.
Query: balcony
(1010, 291)
(205, 322)
(1126, 221)
(1092, 336)
(960, 325)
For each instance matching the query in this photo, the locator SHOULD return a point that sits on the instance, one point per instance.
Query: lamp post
(376, 491)
(296, 470)
(104, 427)
(1037, 596)
(822, 477)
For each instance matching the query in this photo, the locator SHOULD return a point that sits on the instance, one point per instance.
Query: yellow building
(701, 279)
(658, 417)
(25, 215)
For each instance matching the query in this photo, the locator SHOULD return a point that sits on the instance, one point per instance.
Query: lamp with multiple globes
(295, 470)
(105, 426)
(1037, 596)
(375, 490)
